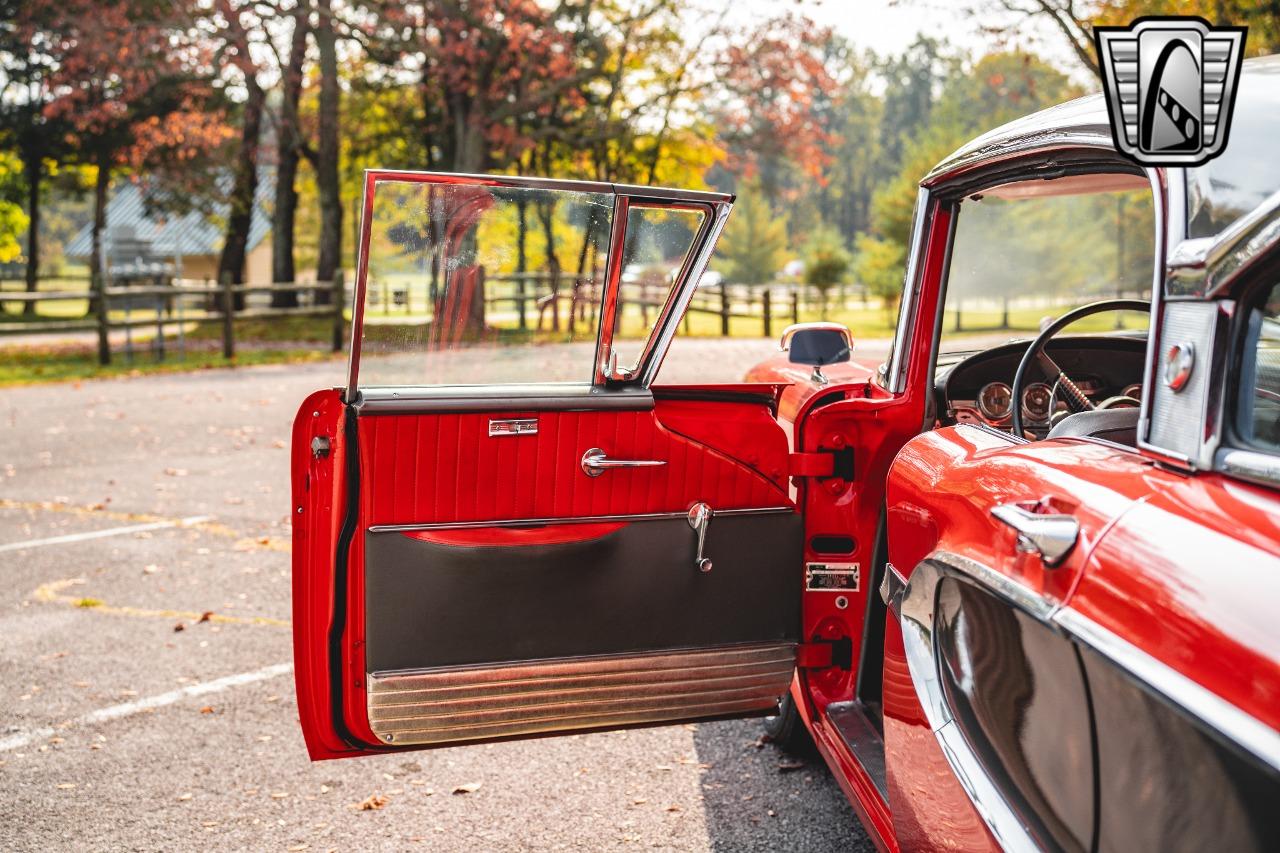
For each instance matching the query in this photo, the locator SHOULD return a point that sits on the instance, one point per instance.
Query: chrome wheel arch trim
(913, 600)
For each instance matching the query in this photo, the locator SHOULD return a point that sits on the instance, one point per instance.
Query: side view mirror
(817, 344)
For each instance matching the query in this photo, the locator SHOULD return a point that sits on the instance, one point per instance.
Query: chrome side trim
(1261, 468)
(1232, 724)
(567, 396)
(507, 700)
(585, 519)
(916, 618)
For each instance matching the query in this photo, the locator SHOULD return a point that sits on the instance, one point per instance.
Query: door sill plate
(480, 702)
(850, 721)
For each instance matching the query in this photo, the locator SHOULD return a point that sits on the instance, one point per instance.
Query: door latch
(699, 519)
(320, 446)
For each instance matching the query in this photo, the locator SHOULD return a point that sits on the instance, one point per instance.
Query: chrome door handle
(1050, 536)
(595, 462)
(700, 519)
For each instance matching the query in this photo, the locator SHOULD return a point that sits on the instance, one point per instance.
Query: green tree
(998, 88)
(826, 261)
(754, 244)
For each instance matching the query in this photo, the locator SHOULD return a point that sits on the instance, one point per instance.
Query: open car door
(496, 533)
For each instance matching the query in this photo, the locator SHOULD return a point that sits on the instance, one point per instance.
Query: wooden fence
(173, 306)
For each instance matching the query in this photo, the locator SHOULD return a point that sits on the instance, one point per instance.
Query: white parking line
(98, 534)
(126, 709)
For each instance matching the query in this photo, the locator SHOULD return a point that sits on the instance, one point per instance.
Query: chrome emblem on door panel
(513, 426)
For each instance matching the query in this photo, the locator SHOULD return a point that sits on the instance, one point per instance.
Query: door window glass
(477, 285)
(656, 249)
(1259, 422)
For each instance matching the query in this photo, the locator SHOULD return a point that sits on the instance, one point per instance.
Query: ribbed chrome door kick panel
(474, 702)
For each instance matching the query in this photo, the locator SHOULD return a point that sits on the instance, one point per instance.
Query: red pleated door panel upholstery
(443, 468)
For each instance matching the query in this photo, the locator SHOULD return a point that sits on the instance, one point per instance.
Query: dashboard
(976, 388)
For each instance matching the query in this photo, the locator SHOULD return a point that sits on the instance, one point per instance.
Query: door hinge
(822, 464)
(825, 654)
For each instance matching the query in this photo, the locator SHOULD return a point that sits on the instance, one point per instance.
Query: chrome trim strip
(1233, 724)
(895, 376)
(505, 700)
(604, 359)
(916, 614)
(585, 519)
(499, 398)
(1165, 219)
(1003, 822)
(1261, 468)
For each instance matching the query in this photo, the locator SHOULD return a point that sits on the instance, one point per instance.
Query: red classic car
(1022, 594)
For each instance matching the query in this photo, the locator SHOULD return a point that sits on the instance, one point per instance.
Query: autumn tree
(774, 77)
(998, 88)
(28, 34)
(129, 89)
(290, 147)
(328, 148)
(485, 68)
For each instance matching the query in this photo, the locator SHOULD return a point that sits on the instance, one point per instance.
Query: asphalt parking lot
(145, 669)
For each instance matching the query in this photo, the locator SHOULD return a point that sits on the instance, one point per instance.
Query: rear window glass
(1248, 171)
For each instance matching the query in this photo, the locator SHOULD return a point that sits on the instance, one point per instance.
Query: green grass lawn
(29, 366)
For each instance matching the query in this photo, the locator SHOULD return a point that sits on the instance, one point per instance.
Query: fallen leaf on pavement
(205, 616)
(469, 788)
(183, 797)
(674, 808)
(374, 802)
(66, 786)
(788, 766)
(179, 627)
(207, 709)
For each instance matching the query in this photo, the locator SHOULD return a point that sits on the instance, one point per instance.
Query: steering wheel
(1072, 395)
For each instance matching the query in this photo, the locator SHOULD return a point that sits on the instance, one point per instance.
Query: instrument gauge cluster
(1037, 402)
(995, 401)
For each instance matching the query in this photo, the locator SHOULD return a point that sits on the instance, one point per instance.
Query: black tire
(787, 731)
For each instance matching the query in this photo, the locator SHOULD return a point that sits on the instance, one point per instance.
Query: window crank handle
(699, 519)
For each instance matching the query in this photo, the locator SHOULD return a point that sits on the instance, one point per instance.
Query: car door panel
(469, 561)
(627, 590)
(1000, 685)
(446, 468)
(466, 568)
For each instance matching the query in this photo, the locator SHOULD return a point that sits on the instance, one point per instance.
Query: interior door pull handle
(700, 519)
(1052, 536)
(595, 462)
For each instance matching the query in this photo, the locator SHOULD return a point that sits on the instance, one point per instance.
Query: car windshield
(1023, 256)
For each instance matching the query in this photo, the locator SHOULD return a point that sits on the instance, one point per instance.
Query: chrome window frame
(717, 205)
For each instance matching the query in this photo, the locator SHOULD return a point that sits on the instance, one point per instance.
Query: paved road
(126, 722)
